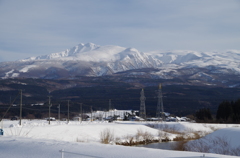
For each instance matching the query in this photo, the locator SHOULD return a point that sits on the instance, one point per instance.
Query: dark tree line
(229, 112)
(203, 115)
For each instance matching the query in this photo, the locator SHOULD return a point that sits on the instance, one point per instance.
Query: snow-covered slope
(222, 141)
(36, 138)
(94, 60)
(18, 147)
(84, 52)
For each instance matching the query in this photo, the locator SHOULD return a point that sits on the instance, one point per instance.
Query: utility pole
(68, 112)
(20, 115)
(59, 112)
(105, 111)
(91, 113)
(49, 109)
(110, 105)
(81, 111)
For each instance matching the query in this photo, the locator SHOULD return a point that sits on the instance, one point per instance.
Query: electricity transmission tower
(160, 111)
(142, 112)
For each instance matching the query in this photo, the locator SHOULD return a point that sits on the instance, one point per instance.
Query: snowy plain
(38, 139)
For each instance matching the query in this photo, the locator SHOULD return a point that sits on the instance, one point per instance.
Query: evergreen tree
(229, 112)
(203, 115)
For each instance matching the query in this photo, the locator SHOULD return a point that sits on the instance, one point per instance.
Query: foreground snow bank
(223, 141)
(19, 147)
(90, 131)
(36, 138)
(74, 131)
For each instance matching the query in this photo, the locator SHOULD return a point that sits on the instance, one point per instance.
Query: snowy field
(39, 140)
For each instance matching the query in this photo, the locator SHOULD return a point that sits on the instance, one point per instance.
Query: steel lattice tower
(142, 112)
(160, 110)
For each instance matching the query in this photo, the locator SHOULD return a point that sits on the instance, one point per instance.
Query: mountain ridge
(94, 60)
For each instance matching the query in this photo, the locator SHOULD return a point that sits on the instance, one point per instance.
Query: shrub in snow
(218, 145)
(106, 136)
(144, 136)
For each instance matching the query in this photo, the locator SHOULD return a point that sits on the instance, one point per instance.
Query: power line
(9, 107)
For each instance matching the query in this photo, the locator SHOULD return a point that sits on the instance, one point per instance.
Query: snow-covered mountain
(94, 60)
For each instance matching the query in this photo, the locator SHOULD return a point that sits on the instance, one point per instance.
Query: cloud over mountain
(94, 60)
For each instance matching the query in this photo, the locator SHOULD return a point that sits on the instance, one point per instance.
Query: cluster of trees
(228, 112)
(204, 115)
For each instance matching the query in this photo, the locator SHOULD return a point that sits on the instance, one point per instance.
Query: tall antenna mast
(142, 112)
(160, 110)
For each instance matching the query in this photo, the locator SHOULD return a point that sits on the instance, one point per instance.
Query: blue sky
(38, 27)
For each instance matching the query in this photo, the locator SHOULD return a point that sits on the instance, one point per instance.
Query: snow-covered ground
(38, 139)
(223, 141)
